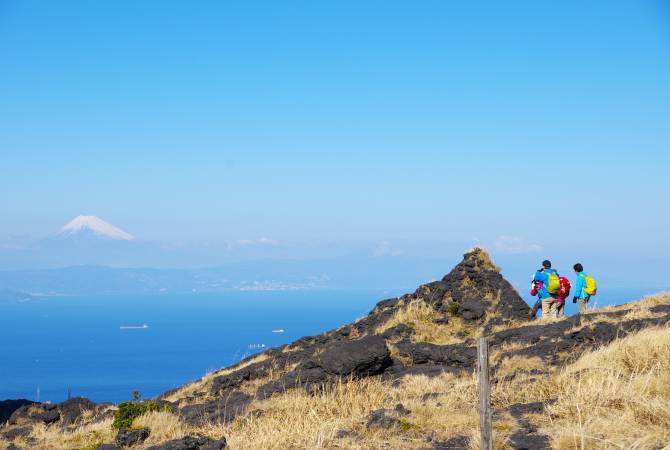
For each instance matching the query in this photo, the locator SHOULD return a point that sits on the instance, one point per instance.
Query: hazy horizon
(230, 132)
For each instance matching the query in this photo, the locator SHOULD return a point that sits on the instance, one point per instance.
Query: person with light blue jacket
(549, 306)
(580, 289)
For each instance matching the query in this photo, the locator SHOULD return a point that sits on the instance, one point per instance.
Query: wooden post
(484, 394)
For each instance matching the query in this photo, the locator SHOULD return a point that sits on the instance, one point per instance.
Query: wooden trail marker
(484, 394)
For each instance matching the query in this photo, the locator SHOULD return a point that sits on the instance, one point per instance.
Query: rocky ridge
(394, 340)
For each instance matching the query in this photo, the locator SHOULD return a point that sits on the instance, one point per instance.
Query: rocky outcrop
(46, 413)
(17, 432)
(363, 357)
(71, 410)
(129, 437)
(457, 355)
(66, 413)
(474, 291)
(191, 443)
(7, 408)
(221, 410)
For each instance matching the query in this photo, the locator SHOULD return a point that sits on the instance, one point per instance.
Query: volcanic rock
(191, 443)
(7, 408)
(129, 437)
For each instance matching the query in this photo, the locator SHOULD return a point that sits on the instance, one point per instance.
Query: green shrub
(453, 308)
(129, 411)
(405, 424)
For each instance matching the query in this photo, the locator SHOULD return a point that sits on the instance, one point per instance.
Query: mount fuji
(93, 226)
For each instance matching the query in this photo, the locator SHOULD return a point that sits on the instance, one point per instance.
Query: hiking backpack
(591, 286)
(564, 290)
(554, 283)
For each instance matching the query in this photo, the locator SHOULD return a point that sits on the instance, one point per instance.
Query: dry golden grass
(163, 425)
(615, 397)
(498, 352)
(53, 438)
(296, 419)
(662, 298)
(421, 317)
(484, 259)
(511, 365)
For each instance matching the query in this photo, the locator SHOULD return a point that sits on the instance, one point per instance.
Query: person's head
(546, 264)
(578, 268)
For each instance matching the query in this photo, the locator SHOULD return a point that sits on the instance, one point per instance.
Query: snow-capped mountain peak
(95, 225)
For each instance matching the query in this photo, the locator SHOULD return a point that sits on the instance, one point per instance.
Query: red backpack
(564, 290)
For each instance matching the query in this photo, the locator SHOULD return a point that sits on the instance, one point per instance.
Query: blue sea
(75, 344)
(54, 346)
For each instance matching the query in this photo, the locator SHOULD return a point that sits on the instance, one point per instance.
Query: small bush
(453, 308)
(405, 424)
(129, 411)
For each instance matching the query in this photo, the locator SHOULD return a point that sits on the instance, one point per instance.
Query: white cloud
(516, 244)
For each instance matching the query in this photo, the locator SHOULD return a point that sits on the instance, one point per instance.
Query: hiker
(548, 293)
(585, 288)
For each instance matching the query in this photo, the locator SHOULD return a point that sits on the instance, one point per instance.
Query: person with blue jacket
(580, 289)
(549, 305)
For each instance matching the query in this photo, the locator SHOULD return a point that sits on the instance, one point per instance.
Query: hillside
(402, 378)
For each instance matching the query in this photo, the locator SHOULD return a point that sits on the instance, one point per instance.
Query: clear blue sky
(341, 121)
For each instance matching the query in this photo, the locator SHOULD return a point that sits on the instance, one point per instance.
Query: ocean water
(75, 344)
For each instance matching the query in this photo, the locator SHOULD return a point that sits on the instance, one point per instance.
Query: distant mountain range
(89, 256)
(90, 240)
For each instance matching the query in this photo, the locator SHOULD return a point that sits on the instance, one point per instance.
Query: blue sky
(520, 125)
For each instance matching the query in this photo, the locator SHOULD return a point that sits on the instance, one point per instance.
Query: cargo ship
(134, 327)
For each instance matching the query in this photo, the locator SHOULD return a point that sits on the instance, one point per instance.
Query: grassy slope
(616, 396)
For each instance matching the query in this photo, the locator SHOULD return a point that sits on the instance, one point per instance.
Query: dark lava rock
(472, 310)
(46, 413)
(527, 437)
(424, 352)
(400, 409)
(222, 410)
(108, 447)
(429, 370)
(17, 432)
(72, 409)
(235, 379)
(129, 437)
(309, 379)
(49, 417)
(379, 419)
(342, 434)
(454, 443)
(13, 447)
(401, 330)
(191, 443)
(68, 412)
(521, 441)
(7, 408)
(364, 357)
